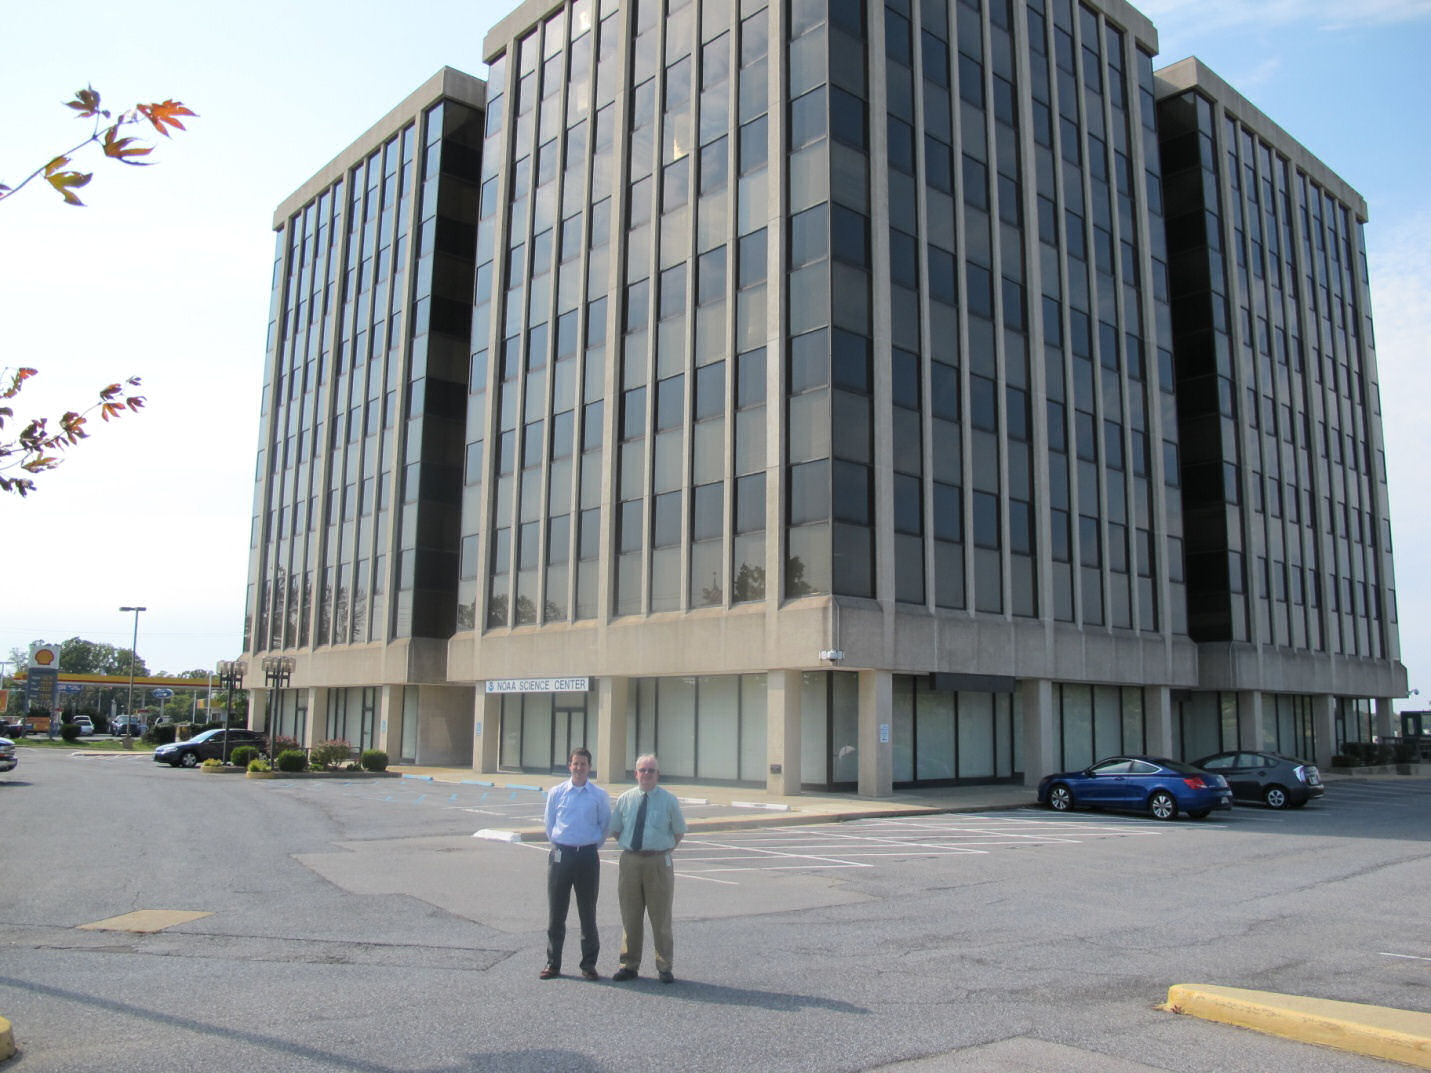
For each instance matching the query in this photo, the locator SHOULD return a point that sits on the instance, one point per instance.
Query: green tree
(36, 447)
(78, 656)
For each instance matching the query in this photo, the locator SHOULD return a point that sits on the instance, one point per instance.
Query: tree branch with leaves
(36, 448)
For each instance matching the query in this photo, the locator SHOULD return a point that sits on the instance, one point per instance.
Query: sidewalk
(726, 808)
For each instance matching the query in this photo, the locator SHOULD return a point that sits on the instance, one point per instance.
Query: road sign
(162, 693)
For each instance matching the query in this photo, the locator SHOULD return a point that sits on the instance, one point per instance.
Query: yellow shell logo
(44, 656)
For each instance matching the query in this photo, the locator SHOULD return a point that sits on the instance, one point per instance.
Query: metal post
(134, 644)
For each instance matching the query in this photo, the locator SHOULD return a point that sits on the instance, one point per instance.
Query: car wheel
(1162, 805)
(1060, 798)
(1199, 813)
(1275, 796)
(190, 760)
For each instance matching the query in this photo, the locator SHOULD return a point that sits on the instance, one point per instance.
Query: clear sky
(166, 273)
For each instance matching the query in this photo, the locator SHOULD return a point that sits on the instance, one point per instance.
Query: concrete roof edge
(1192, 73)
(447, 83)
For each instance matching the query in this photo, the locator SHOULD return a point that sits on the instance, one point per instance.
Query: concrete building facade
(797, 390)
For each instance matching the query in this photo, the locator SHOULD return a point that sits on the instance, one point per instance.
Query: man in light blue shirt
(577, 815)
(647, 821)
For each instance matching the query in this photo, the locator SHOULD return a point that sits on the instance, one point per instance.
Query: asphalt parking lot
(358, 924)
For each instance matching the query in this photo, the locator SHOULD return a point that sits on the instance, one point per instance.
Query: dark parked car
(1140, 784)
(15, 727)
(122, 726)
(1270, 779)
(211, 744)
(8, 759)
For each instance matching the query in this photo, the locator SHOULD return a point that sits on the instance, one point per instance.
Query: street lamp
(129, 704)
(231, 672)
(277, 670)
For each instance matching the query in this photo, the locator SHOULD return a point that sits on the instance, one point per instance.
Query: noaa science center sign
(538, 685)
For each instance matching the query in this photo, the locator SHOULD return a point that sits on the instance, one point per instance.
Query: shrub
(329, 755)
(242, 755)
(282, 743)
(374, 760)
(160, 735)
(70, 731)
(212, 762)
(292, 760)
(258, 763)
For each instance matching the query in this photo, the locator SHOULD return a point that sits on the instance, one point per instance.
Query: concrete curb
(1376, 1031)
(7, 1040)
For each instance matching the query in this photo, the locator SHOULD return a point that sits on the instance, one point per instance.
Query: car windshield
(205, 736)
(1177, 766)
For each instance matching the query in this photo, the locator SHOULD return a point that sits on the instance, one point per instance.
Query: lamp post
(129, 704)
(277, 670)
(231, 672)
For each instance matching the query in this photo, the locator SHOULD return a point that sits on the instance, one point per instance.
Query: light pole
(231, 672)
(277, 670)
(129, 704)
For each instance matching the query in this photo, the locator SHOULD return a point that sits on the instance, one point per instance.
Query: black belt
(589, 845)
(648, 852)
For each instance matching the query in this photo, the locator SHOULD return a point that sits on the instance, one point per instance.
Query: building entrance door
(568, 732)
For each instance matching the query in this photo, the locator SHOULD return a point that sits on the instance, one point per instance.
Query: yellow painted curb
(1378, 1031)
(7, 1040)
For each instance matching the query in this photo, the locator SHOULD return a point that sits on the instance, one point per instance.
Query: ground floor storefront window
(1092, 722)
(947, 737)
(709, 728)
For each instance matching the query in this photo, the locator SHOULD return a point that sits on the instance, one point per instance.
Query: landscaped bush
(258, 763)
(70, 731)
(282, 743)
(159, 735)
(212, 762)
(292, 760)
(374, 760)
(329, 755)
(242, 754)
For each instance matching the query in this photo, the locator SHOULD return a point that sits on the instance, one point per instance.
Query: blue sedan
(1138, 783)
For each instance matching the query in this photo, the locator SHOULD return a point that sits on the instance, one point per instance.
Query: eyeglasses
(645, 771)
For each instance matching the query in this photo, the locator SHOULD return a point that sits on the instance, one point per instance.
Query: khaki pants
(646, 886)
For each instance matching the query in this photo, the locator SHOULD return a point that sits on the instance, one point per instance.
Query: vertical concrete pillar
(258, 709)
(613, 704)
(1249, 721)
(1385, 719)
(876, 778)
(1324, 728)
(782, 732)
(486, 730)
(1158, 721)
(315, 722)
(1042, 754)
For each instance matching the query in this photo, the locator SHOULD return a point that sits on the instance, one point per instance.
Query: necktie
(639, 835)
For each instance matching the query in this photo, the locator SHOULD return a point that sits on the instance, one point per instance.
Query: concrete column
(613, 703)
(782, 732)
(1386, 724)
(486, 730)
(316, 718)
(876, 734)
(258, 709)
(1249, 721)
(1158, 721)
(1041, 740)
(1324, 727)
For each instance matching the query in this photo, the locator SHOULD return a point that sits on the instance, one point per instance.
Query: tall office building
(814, 412)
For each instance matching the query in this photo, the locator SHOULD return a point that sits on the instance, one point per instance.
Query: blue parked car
(1138, 783)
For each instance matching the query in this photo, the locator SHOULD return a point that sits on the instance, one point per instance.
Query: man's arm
(549, 815)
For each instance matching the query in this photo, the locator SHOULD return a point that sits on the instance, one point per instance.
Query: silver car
(8, 759)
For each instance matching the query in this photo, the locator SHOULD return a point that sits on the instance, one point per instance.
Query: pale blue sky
(166, 273)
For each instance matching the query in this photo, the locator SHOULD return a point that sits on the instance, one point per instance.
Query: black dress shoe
(549, 973)
(667, 977)
(622, 975)
(590, 974)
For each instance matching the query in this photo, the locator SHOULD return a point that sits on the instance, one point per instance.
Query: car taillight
(1195, 782)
